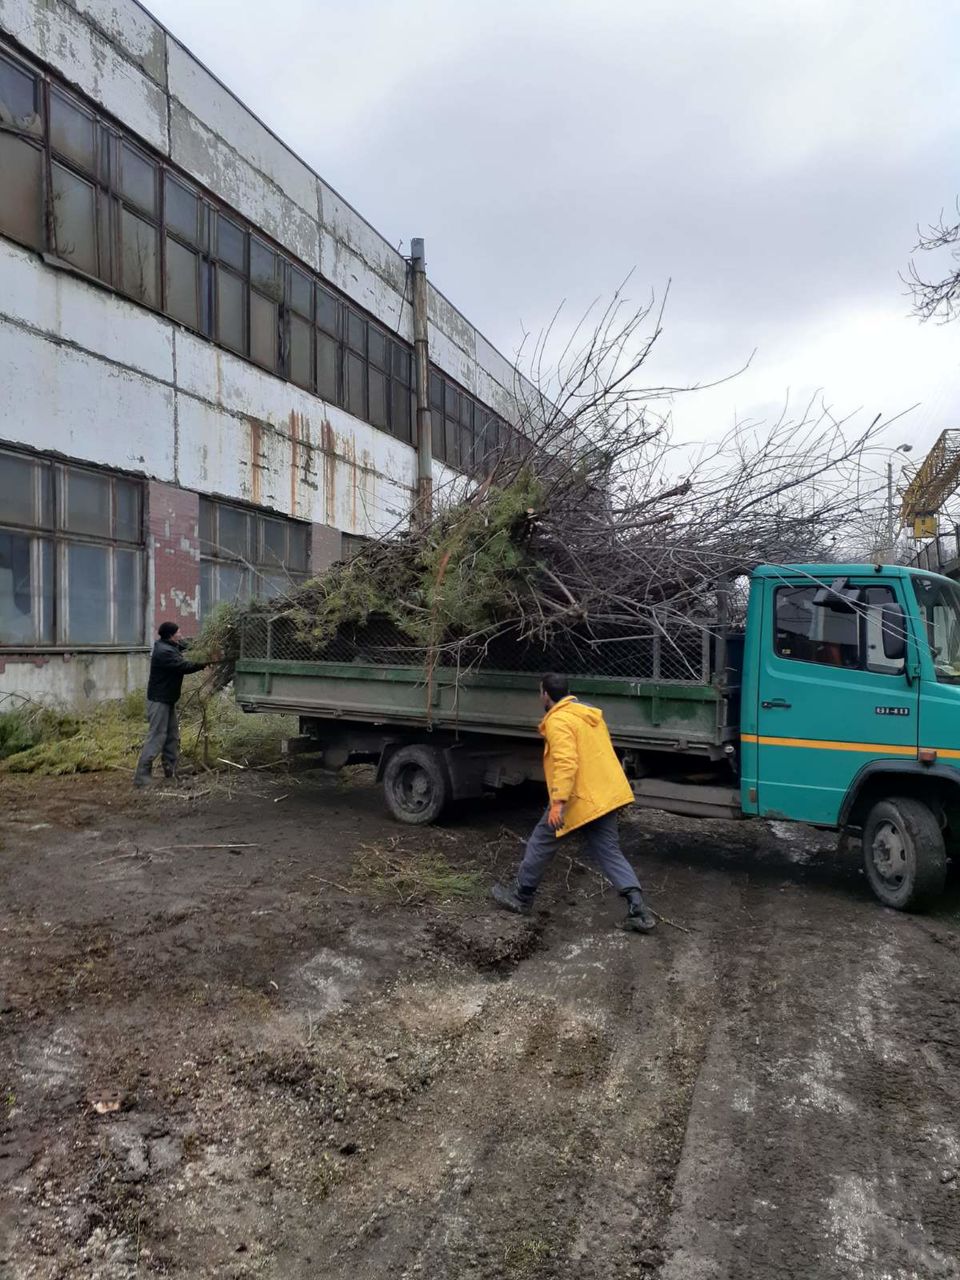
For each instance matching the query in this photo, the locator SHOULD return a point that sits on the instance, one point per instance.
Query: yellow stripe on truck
(821, 744)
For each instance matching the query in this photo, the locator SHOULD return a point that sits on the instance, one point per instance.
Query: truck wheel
(416, 786)
(904, 854)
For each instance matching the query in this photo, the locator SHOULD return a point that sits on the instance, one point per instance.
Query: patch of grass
(525, 1258)
(50, 741)
(417, 876)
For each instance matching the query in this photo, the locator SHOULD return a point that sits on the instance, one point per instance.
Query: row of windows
(76, 186)
(246, 555)
(71, 555)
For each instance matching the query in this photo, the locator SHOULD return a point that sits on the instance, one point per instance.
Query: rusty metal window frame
(110, 137)
(52, 529)
(252, 565)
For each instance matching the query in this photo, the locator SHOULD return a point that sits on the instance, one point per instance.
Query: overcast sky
(771, 158)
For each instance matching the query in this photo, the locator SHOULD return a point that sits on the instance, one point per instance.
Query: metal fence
(678, 652)
(940, 554)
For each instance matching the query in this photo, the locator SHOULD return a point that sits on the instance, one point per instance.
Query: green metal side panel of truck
(657, 716)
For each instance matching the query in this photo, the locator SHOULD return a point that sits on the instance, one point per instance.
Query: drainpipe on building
(424, 503)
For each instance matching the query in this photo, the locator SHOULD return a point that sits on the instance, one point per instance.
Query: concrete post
(424, 502)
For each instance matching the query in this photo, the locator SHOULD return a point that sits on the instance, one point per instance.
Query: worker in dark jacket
(168, 666)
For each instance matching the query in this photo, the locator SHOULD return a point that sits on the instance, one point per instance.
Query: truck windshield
(940, 610)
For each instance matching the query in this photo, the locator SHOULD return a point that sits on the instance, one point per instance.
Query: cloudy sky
(771, 158)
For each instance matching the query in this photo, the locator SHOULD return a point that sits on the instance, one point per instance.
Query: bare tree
(596, 530)
(937, 298)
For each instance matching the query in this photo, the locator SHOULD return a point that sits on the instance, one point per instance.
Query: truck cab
(850, 713)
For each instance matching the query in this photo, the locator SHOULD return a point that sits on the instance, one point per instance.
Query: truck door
(833, 693)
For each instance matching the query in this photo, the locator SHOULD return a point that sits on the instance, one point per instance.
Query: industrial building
(206, 355)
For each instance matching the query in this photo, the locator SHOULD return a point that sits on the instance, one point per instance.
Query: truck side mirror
(893, 628)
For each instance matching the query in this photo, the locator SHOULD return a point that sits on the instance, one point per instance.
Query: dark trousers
(601, 843)
(163, 739)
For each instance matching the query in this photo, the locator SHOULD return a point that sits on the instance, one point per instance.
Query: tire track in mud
(549, 1145)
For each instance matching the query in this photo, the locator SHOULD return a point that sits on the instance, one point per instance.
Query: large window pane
(25, 590)
(181, 210)
(88, 594)
(87, 504)
(138, 261)
(231, 243)
(377, 385)
(21, 190)
(274, 541)
(436, 391)
(298, 553)
(138, 178)
(18, 94)
(208, 587)
(356, 332)
(327, 369)
(328, 312)
(232, 583)
(74, 219)
(183, 284)
(376, 347)
(263, 330)
(20, 486)
(301, 352)
(234, 539)
(300, 289)
(400, 412)
(401, 363)
(73, 131)
(355, 399)
(129, 598)
(231, 325)
(129, 526)
(208, 527)
(263, 268)
(451, 441)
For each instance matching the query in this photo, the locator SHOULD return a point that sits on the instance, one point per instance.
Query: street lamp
(891, 530)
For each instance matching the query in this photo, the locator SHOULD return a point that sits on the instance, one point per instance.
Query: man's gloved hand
(555, 816)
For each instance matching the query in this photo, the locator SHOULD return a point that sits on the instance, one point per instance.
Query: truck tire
(904, 854)
(416, 785)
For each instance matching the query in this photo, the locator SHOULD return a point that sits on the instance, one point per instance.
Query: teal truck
(836, 703)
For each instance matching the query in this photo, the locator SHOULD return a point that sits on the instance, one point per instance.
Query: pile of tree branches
(600, 531)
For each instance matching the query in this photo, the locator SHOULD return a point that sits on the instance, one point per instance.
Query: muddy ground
(316, 1050)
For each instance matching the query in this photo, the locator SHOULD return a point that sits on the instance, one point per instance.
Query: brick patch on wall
(175, 554)
(325, 547)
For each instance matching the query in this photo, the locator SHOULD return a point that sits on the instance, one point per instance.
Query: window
(21, 154)
(74, 219)
(71, 555)
(247, 555)
(182, 283)
(74, 184)
(853, 627)
(939, 604)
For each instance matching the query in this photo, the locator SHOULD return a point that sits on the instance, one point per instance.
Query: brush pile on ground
(597, 535)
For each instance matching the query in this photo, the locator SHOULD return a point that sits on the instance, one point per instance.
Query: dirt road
(313, 1049)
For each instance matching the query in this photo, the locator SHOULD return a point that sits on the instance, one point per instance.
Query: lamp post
(891, 524)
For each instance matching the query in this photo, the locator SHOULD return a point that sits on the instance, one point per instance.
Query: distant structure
(931, 486)
(206, 355)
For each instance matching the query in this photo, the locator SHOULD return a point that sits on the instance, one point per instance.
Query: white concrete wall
(119, 55)
(71, 679)
(86, 374)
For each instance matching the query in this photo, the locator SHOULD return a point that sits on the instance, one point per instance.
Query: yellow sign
(925, 526)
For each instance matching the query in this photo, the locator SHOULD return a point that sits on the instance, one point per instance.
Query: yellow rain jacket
(580, 764)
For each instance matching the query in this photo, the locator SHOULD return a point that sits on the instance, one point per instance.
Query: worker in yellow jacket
(587, 786)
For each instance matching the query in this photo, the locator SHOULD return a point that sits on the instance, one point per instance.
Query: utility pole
(891, 535)
(423, 509)
(891, 520)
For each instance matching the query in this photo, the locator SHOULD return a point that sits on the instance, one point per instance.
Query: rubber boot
(640, 918)
(512, 898)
